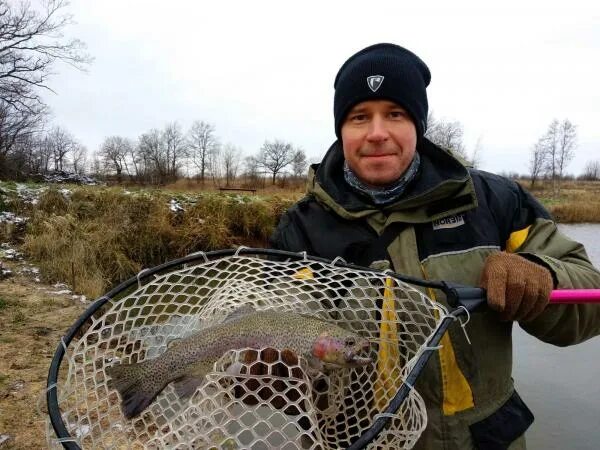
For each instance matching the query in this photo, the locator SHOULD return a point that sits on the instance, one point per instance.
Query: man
(383, 189)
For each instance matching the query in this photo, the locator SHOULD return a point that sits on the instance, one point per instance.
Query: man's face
(379, 140)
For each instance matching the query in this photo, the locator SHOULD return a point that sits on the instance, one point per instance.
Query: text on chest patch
(448, 222)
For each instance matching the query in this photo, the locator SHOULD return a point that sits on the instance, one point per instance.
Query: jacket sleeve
(289, 235)
(541, 241)
(309, 226)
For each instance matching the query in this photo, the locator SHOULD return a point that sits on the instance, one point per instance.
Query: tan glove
(516, 287)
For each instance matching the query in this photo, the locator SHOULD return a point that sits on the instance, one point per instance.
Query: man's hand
(516, 287)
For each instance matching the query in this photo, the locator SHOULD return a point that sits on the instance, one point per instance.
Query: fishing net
(276, 402)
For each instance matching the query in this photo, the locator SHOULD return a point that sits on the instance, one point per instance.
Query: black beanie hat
(387, 72)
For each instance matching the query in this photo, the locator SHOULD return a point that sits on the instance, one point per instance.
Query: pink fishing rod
(575, 296)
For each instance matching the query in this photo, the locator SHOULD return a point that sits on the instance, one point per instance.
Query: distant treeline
(163, 156)
(155, 157)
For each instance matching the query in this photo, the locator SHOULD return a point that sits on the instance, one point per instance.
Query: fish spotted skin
(189, 360)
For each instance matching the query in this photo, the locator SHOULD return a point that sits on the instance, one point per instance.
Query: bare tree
(275, 156)
(566, 146)
(160, 154)
(134, 159)
(45, 154)
(17, 128)
(550, 144)
(96, 165)
(448, 135)
(537, 162)
(175, 148)
(558, 143)
(31, 43)
(230, 159)
(79, 157)
(22, 158)
(214, 164)
(299, 164)
(202, 143)
(114, 152)
(61, 143)
(591, 171)
(252, 170)
(151, 157)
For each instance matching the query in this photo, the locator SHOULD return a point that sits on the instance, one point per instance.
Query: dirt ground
(33, 317)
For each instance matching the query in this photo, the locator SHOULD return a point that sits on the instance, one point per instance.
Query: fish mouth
(353, 359)
(356, 360)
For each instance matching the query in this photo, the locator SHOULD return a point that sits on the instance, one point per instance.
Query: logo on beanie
(374, 82)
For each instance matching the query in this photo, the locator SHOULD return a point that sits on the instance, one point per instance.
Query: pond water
(562, 385)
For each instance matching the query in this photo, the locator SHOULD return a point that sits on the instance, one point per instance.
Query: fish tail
(131, 381)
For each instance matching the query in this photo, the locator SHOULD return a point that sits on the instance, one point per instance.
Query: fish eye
(350, 341)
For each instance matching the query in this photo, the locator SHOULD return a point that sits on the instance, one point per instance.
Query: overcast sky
(265, 70)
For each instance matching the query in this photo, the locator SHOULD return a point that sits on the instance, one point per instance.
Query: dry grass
(576, 212)
(101, 236)
(578, 201)
(263, 187)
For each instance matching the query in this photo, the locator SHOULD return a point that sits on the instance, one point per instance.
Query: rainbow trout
(186, 362)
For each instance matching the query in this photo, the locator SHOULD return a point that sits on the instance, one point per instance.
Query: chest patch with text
(448, 222)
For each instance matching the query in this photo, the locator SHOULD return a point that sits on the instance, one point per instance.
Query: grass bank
(95, 237)
(578, 201)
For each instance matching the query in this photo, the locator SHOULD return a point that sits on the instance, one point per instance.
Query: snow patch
(9, 217)
(175, 206)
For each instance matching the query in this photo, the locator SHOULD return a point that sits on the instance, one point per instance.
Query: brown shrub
(103, 236)
(52, 201)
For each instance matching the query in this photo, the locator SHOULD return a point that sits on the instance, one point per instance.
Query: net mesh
(272, 399)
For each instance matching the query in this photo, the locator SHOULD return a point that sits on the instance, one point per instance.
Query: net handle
(474, 297)
(567, 296)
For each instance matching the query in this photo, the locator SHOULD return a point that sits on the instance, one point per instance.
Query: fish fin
(239, 312)
(127, 380)
(234, 368)
(187, 385)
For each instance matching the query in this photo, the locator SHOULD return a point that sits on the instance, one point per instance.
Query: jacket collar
(442, 187)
